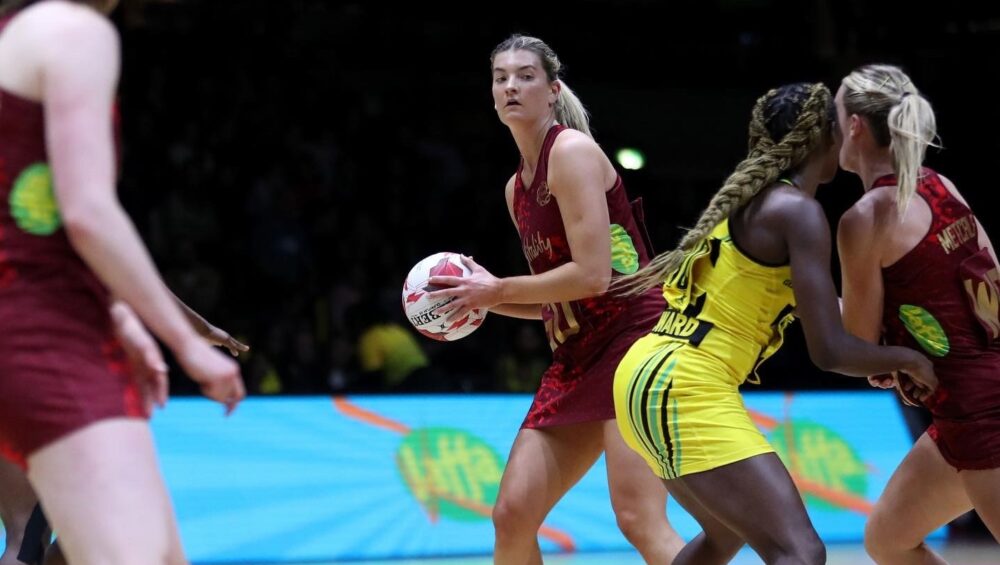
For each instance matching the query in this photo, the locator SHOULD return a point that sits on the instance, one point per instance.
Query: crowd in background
(287, 170)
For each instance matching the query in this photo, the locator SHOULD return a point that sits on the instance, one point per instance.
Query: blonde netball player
(919, 271)
(579, 231)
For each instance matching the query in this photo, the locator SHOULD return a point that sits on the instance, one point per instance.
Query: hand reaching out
(218, 375)
(221, 338)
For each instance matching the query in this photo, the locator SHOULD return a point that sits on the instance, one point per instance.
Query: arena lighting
(631, 159)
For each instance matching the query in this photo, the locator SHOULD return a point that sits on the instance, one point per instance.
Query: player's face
(521, 89)
(848, 149)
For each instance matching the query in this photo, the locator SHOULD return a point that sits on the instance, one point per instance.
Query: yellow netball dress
(677, 400)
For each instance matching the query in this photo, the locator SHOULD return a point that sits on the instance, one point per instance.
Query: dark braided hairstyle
(787, 125)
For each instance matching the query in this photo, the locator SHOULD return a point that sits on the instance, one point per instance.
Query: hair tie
(904, 95)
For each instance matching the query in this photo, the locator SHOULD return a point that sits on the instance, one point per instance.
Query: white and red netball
(422, 311)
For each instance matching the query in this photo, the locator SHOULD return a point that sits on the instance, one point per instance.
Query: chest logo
(543, 196)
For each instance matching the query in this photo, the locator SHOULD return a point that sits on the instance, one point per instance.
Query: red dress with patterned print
(941, 298)
(61, 367)
(590, 336)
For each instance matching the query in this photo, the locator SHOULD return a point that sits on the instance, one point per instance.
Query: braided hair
(786, 126)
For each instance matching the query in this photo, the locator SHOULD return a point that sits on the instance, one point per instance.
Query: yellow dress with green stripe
(677, 400)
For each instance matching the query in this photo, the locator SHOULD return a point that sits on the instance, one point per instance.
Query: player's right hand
(218, 375)
(917, 382)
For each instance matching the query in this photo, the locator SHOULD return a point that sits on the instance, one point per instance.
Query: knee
(883, 538)
(513, 518)
(880, 541)
(813, 551)
(805, 548)
(631, 524)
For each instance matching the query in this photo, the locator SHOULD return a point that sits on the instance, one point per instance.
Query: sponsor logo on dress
(624, 257)
(33, 203)
(534, 245)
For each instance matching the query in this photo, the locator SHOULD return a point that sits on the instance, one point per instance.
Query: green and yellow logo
(451, 473)
(925, 329)
(624, 257)
(826, 468)
(33, 202)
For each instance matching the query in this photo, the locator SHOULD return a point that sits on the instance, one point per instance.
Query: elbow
(82, 221)
(79, 225)
(598, 283)
(827, 363)
(825, 358)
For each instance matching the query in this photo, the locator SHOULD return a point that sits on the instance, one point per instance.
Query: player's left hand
(479, 290)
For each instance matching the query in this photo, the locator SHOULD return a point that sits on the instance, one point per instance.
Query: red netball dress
(941, 298)
(590, 336)
(61, 367)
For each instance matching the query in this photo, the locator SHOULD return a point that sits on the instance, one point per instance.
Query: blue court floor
(837, 555)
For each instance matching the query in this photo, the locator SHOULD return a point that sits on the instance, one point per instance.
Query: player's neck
(874, 167)
(529, 140)
(806, 180)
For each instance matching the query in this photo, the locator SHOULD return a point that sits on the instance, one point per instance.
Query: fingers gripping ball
(422, 311)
